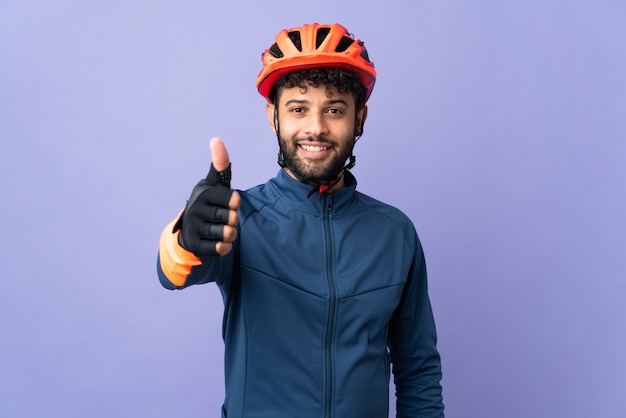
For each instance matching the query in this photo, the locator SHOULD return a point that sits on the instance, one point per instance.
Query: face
(317, 131)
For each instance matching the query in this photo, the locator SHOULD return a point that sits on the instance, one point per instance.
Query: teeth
(312, 148)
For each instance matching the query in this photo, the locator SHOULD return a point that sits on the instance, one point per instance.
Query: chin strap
(322, 189)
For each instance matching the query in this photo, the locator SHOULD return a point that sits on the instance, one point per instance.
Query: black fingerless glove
(202, 222)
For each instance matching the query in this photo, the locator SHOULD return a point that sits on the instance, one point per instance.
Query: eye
(335, 111)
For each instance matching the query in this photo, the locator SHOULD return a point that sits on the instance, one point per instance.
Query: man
(323, 286)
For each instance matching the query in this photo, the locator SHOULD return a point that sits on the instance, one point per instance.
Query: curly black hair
(343, 80)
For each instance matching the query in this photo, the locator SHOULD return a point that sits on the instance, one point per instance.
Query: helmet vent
(364, 53)
(322, 33)
(295, 38)
(275, 51)
(344, 44)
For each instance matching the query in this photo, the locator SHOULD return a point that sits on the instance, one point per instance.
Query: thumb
(219, 154)
(219, 174)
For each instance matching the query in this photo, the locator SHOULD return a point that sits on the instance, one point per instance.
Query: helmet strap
(281, 157)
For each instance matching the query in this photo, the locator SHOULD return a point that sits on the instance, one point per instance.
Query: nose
(316, 125)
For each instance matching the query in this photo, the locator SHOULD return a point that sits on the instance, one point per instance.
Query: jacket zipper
(331, 307)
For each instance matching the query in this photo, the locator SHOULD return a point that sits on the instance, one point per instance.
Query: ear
(269, 109)
(361, 115)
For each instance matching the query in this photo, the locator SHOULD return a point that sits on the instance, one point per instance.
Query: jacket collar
(296, 194)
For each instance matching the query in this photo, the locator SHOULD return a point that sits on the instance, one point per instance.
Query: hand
(208, 223)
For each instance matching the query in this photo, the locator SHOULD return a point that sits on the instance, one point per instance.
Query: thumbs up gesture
(208, 223)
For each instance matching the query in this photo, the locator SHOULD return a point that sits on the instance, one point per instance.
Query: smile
(313, 148)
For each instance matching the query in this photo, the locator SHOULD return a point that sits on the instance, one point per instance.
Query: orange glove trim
(176, 262)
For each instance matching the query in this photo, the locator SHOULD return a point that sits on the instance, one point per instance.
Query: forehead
(321, 94)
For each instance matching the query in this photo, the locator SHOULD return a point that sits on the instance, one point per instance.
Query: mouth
(313, 148)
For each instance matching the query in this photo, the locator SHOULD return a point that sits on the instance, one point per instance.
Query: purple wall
(498, 127)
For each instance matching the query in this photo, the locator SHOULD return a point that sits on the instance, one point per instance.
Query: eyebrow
(327, 102)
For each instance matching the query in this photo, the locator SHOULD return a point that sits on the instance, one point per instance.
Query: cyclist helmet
(313, 46)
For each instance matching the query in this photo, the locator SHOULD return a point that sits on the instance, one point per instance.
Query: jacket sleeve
(413, 348)
(178, 268)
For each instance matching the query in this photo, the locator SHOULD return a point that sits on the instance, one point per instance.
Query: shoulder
(255, 199)
(384, 209)
(389, 214)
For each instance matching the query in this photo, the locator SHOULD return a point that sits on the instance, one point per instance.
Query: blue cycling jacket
(322, 295)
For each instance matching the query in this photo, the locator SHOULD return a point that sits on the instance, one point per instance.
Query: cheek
(346, 129)
(289, 128)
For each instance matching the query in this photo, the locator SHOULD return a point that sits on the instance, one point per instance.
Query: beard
(316, 171)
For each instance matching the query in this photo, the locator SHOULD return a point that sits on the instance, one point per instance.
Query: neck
(326, 187)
